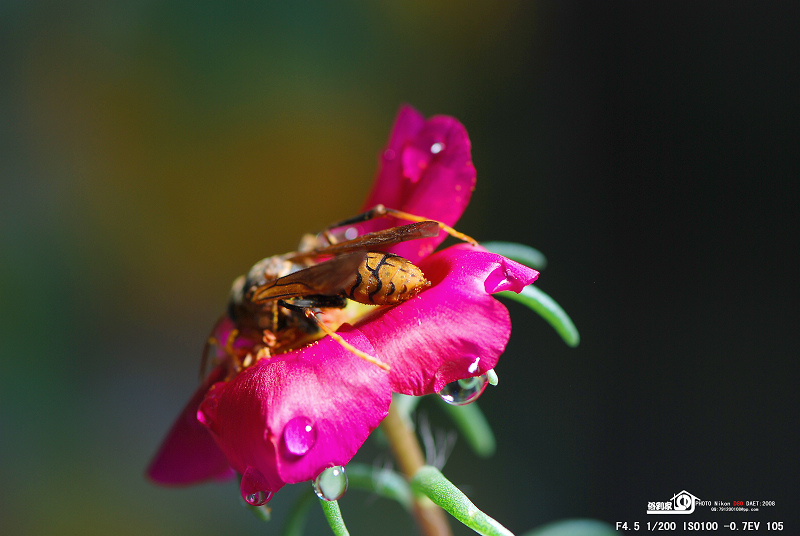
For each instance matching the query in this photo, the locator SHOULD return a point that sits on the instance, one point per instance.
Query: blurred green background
(152, 151)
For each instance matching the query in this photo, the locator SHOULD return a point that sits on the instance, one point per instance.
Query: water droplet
(437, 147)
(207, 412)
(331, 483)
(254, 487)
(257, 499)
(389, 154)
(203, 417)
(473, 367)
(462, 392)
(491, 376)
(299, 435)
(351, 233)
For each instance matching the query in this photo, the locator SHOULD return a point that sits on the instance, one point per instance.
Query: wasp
(278, 304)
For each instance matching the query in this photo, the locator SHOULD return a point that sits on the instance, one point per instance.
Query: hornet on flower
(281, 405)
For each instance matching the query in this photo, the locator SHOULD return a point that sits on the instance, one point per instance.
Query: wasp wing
(327, 278)
(375, 240)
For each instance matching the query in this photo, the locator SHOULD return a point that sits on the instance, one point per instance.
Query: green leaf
(334, 517)
(298, 515)
(384, 482)
(547, 308)
(574, 527)
(518, 252)
(473, 425)
(432, 483)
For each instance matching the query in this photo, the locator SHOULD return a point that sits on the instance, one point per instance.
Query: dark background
(152, 151)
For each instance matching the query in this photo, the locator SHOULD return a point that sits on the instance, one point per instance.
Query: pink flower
(426, 169)
(288, 417)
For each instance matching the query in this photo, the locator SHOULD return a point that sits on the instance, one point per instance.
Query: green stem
(430, 481)
(334, 517)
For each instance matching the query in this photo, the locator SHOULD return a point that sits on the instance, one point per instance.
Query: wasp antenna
(346, 345)
(461, 236)
(381, 211)
(444, 227)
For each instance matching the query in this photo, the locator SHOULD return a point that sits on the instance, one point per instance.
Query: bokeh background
(152, 151)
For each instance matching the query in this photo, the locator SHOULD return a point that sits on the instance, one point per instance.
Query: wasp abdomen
(386, 279)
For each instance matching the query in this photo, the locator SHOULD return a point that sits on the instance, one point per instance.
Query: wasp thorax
(269, 269)
(386, 279)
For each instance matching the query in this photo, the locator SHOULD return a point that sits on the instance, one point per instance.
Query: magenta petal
(287, 418)
(426, 170)
(291, 416)
(453, 330)
(388, 188)
(189, 454)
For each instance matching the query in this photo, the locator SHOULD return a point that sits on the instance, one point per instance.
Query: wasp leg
(380, 211)
(275, 317)
(347, 346)
(212, 341)
(328, 235)
(316, 300)
(311, 315)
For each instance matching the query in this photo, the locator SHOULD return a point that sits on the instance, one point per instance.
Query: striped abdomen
(386, 279)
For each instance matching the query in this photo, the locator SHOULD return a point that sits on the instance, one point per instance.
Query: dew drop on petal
(207, 412)
(437, 147)
(254, 487)
(299, 435)
(389, 154)
(258, 498)
(204, 417)
(331, 483)
(462, 392)
(351, 233)
(491, 376)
